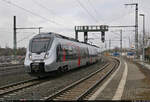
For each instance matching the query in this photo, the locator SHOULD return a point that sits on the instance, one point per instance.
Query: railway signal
(93, 28)
(103, 36)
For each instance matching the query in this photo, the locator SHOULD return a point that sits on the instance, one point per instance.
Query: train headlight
(30, 56)
(46, 55)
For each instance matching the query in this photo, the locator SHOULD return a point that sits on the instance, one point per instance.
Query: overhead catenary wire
(25, 37)
(32, 13)
(93, 17)
(47, 9)
(94, 9)
(87, 11)
(81, 5)
(35, 14)
(42, 6)
(120, 18)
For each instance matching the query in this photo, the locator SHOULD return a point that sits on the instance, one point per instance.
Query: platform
(129, 82)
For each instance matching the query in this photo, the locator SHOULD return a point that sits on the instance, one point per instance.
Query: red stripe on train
(64, 55)
(79, 61)
(79, 56)
(91, 59)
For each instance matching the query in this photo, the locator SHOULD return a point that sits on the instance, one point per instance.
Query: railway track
(81, 84)
(10, 67)
(82, 87)
(4, 90)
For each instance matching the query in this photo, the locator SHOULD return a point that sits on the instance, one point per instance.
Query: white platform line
(122, 83)
(94, 96)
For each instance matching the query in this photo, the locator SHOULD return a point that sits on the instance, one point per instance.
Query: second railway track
(6, 68)
(82, 87)
(4, 90)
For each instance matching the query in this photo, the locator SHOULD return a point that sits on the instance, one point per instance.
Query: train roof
(52, 34)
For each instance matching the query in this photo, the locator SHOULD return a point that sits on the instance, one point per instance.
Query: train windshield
(39, 45)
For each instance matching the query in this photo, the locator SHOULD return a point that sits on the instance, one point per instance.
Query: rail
(81, 88)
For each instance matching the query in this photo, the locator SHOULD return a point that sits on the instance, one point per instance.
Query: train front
(39, 55)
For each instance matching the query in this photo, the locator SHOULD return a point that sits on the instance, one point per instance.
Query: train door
(59, 53)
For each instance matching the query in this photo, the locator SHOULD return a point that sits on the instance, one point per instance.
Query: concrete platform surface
(128, 83)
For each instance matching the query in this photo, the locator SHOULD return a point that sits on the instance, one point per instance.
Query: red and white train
(49, 52)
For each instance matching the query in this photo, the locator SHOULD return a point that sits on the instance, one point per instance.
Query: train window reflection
(40, 45)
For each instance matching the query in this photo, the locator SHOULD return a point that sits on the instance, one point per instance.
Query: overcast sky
(61, 16)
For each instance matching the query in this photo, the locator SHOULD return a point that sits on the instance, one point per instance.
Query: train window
(87, 52)
(83, 52)
(39, 45)
(75, 53)
(59, 53)
(63, 49)
(71, 52)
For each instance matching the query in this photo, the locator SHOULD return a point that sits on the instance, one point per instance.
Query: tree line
(9, 51)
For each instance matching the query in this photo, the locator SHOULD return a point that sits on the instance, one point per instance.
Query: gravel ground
(13, 76)
(54, 84)
(9, 65)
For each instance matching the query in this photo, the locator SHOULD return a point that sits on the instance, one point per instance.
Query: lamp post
(136, 27)
(143, 35)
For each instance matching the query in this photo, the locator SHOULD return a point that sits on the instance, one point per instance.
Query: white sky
(61, 16)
